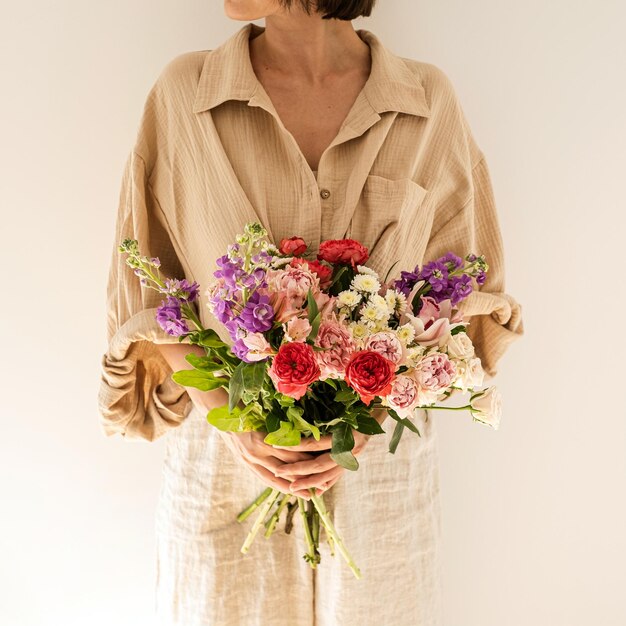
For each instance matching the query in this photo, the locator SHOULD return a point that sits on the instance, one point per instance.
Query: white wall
(533, 514)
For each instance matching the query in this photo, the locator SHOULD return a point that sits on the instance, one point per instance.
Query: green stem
(330, 530)
(259, 520)
(449, 408)
(189, 312)
(246, 512)
(311, 555)
(271, 524)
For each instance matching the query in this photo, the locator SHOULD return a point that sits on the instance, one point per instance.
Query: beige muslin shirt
(404, 175)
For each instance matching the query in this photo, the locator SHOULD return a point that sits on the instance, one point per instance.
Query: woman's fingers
(309, 444)
(317, 480)
(288, 456)
(269, 478)
(302, 468)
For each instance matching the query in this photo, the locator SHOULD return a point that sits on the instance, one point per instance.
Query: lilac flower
(235, 329)
(169, 317)
(240, 350)
(481, 277)
(222, 309)
(254, 279)
(258, 314)
(182, 289)
(230, 270)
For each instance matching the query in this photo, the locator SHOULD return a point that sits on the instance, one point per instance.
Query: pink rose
(387, 344)
(288, 288)
(338, 345)
(434, 372)
(404, 395)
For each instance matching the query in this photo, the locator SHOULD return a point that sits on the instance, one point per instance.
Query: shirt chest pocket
(387, 218)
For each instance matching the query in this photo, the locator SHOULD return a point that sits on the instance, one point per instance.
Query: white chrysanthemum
(349, 298)
(373, 313)
(363, 269)
(406, 333)
(366, 283)
(359, 330)
(345, 312)
(396, 301)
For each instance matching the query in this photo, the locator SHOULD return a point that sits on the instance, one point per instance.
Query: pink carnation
(339, 347)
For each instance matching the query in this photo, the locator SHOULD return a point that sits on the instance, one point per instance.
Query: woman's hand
(321, 472)
(263, 459)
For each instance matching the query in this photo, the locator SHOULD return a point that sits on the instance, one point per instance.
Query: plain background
(534, 514)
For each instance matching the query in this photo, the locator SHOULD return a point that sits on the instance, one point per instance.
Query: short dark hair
(335, 9)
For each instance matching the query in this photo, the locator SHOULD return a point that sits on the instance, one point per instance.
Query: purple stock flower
(258, 314)
(407, 281)
(235, 328)
(222, 309)
(254, 279)
(240, 350)
(169, 317)
(461, 288)
(230, 270)
(450, 257)
(436, 273)
(182, 289)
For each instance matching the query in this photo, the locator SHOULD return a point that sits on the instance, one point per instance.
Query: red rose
(294, 246)
(370, 374)
(294, 368)
(324, 272)
(343, 252)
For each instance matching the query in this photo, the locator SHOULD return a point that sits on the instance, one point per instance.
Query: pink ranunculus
(434, 372)
(297, 329)
(387, 344)
(404, 395)
(287, 290)
(339, 346)
(258, 347)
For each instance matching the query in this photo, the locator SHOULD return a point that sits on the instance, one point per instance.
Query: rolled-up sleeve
(137, 397)
(495, 317)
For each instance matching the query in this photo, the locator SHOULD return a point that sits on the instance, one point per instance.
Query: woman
(320, 131)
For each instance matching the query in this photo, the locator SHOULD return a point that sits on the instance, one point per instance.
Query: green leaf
(368, 425)
(315, 326)
(405, 421)
(236, 387)
(312, 309)
(395, 438)
(346, 396)
(286, 435)
(253, 375)
(272, 421)
(223, 420)
(345, 459)
(294, 413)
(204, 363)
(210, 339)
(389, 271)
(343, 439)
(338, 274)
(205, 381)
(457, 329)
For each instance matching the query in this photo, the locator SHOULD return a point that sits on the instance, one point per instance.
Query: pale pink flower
(258, 347)
(434, 372)
(339, 347)
(297, 329)
(386, 343)
(486, 407)
(434, 322)
(404, 395)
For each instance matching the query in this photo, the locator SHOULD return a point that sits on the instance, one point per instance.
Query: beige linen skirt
(388, 513)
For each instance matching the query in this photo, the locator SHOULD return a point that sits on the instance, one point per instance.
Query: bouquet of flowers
(317, 345)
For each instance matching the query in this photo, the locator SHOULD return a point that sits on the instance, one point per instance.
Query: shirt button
(324, 193)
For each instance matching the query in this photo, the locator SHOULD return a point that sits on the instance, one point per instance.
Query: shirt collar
(227, 74)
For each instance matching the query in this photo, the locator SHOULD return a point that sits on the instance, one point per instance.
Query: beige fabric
(407, 178)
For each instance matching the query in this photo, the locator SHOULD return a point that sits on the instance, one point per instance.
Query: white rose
(486, 407)
(476, 374)
(460, 346)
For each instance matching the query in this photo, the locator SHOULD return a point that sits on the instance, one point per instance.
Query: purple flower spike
(169, 317)
(258, 314)
(481, 277)
(240, 350)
